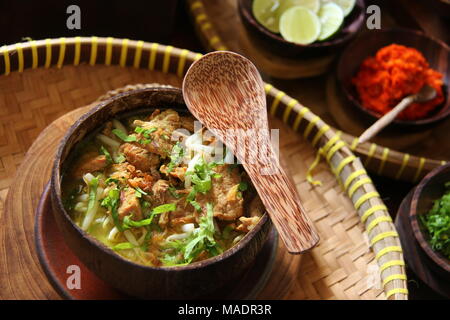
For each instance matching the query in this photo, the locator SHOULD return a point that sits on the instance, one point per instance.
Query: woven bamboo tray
(217, 24)
(358, 239)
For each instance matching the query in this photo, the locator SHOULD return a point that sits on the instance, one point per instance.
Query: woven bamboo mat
(343, 266)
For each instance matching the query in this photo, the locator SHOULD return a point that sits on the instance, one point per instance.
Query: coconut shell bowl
(179, 282)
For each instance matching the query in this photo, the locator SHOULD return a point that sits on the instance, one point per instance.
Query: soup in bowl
(153, 203)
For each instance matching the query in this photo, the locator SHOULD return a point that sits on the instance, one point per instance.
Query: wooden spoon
(225, 92)
(427, 93)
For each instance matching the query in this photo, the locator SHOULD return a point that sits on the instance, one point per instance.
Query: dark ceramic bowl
(428, 190)
(181, 282)
(367, 44)
(275, 43)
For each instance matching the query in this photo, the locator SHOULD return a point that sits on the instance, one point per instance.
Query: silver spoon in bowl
(225, 92)
(425, 94)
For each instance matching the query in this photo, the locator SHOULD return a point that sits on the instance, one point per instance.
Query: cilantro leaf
(128, 223)
(201, 239)
(176, 156)
(123, 136)
(111, 201)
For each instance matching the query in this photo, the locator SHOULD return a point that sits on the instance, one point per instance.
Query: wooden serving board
(341, 267)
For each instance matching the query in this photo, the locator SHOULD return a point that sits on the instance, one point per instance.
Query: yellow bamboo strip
(288, 109)
(370, 155)
(62, 52)
(376, 221)
(182, 62)
(108, 55)
(310, 126)
(48, 53)
(94, 45)
(358, 185)
(386, 250)
(352, 177)
(382, 236)
(383, 160)
(372, 210)
(319, 134)
(138, 54)
(166, 61)
(299, 118)
(123, 53)
(34, 55)
(276, 102)
(402, 168)
(364, 198)
(6, 60)
(152, 60)
(396, 291)
(20, 57)
(419, 169)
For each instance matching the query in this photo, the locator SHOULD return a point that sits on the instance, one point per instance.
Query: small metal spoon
(427, 93)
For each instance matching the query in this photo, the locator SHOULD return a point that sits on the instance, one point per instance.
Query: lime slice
(299, 25)
(331, 18)
(346, 5)
(312, 5)
(267, 13)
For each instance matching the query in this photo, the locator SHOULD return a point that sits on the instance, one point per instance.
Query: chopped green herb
(103, 150)
(141, 192)
(196, 205)
(111, 180)
(201, 239)
(165, 208)
(176, 156)
(93, 185)
(174, 193)
(243, 186)
(123, 136)
(145, 132)
(120, 158)
(112, 203)
(128, 223)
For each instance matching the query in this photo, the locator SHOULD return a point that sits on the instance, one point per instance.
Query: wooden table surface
(391, 191)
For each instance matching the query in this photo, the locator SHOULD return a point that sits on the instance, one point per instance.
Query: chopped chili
(393, 73)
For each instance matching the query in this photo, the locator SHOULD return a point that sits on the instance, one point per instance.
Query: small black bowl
(276, 44)
(367, 44)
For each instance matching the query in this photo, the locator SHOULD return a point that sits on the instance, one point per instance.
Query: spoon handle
(385, 120)
(282, 202)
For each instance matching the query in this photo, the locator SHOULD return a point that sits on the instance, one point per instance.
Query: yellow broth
(137, 188)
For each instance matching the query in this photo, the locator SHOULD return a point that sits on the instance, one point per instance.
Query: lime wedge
(346, 5)
(331, 18)
(312, 5)
(299, 25)
(267, 13)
